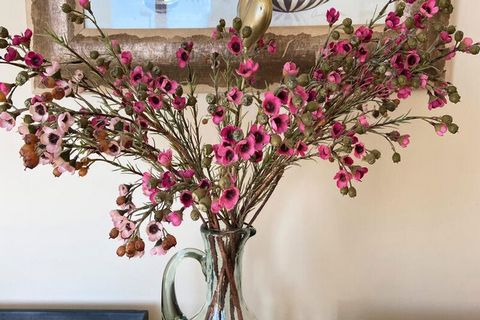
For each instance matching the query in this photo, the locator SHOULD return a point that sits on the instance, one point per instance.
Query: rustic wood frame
(299, 44)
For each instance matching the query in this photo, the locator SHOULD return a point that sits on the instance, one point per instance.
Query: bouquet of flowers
(115, 111)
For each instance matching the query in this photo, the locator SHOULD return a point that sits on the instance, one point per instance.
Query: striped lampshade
(296, 5)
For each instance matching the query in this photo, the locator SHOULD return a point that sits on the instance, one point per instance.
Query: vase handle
(170, 308)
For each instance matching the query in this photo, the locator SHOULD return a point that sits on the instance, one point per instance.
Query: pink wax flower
(290, 69)
(225, 156)
(280, 123)
(441, 129)
(338, 129)
(179, 103)
(332, 16)
(436, 102)
(126, 57)
(235, 45)
(404, 140)
(363, 121)
(117, 218)
(34, 60)
(136, 75)
(139, 106)
(301, 149)
(215, 207)
(123, 190)
(65, 121)
(261, 137)
(235, 96)
(429, 8)
(155, 101)
(39, 112)
(84, 3)
(187, 174)
(165, 157)
(343, 178)
(257, 156)
(227, 133)
(285, 150)
(364, 33)
(52, 70)
(359, 173)
(423, 81)
(146, 184)
(113, 149)
(334, 77)
(175, 218)
(362, 53)
(169, 86)
(52, 139)
(229, 198)
(186, 198)
(154, 231)
(246, 148)
(167, 180)
(413, 59)
(392, 21)
(11, 55)
(445, 37)
(284, 95)
(247, 68)
(182, 57)
(324, 152)
(158, 251)
(398, 62)
(404, 93)
(271, 104)
(467, 43)
(343, 47)
(347, 160)
(272, 47)
(218, 115)
(7, 121)
(359, 150)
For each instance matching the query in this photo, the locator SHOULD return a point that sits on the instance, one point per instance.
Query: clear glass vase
(222, 265)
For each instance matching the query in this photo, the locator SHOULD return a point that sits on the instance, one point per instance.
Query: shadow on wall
(358, 311)
(153, 310)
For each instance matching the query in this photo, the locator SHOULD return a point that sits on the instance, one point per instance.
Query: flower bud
(377, 154)
(198, 194)
(275, 140)
(262, 118)
(83, 171)
(114, 233)
(303, 79)
(335, 35)
(205, 204)
(238, 135)
(207, 149)
(156, 71)
(22, 78)
(347, 22)
(454, 98)
(3, 32)
(344, 191)
(352, 192)
(475, 50)
(3, 43)
(222, 23)
(246, 32)
(247, 100)
(206, 162)
(169, 242)
(121, 251)
(291, 83)
(195, 215)
(396, 158)
(130, 249)
(453, 128)
(66, 8)
(409, 23)
(459, 36)
(139, 245)
(211, 99)
(237, 23)
(447, 119)
(348, 30)
(224, 183)
(307, 119)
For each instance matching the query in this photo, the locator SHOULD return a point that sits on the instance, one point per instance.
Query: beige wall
(406, 248)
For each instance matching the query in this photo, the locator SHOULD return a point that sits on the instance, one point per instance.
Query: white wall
(406, 248)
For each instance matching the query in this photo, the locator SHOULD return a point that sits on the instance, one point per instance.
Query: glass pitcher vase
(222, 265)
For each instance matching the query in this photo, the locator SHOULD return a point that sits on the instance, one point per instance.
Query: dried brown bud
(131, 248)
(30, 139)
(121, 251)
(169, 242)
(114, 233)
(139, 245)
(58, 93)
(121, 200)
(83, 171)
(30, 156)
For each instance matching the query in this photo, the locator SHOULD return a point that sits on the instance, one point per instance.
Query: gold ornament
(257, 14)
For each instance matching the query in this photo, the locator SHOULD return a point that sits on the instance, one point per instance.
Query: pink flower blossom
(229, 198)
(272, 47)
(218, 115)
(39, 112)
(113, 149)
(301, 149)
(398, 62)
(261, 137)
(139, 106)
(359, 150)
(11, 54)
(343, 178)
(364, 33)
(187, 174)
(235, 45)
(179, 103)
(362, 120)
(247, 69)
(436, 102)
(324, 152)
(404, 93)
(183, 56)
(290, 69)
(404, 140)
(445, 37)
(413, 59)
(423, 81)
(7, 121)
(65, 121)
(186, 198)
(175, 218)
(155, 101)
(154, 231)
(343, 47)
(84, 3)
(147, 186)
(332, 16)
(123, 190)
(215, 207)
(126, 57)
(392, 21)
(225, 156)
(227, 133)
(52, 70)
(360, 173)
(169, 86)
(429, 8)
(271, 104)
(136, 75)
(334, 77)
(441, 129)
(34, 60)
(338, 129)
(167, 180)
(165, 157)
(235, 96)
(285, 150)
(280, 123)
(158, 251)
(246, 148)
